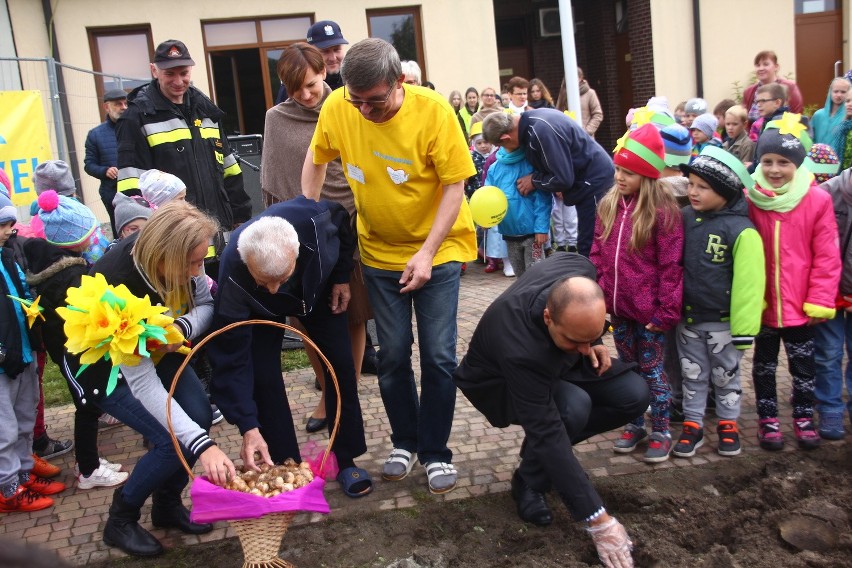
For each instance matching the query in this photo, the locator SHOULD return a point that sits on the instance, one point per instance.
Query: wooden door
(819, 43)
(624, 74)
(513, 62)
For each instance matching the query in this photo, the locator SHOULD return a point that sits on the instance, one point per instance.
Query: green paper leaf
(113, 380)
(113, 300)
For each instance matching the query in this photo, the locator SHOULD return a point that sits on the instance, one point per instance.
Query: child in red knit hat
(637, 251)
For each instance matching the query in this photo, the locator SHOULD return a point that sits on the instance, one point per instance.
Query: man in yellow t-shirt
(406, 161)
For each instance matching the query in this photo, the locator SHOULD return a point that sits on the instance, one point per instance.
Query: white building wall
(732, 33)
(460, 46)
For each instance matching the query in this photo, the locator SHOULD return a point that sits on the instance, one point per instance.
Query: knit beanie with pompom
(67, 222)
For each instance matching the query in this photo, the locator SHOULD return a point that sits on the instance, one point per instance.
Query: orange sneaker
(44, 486)
(41, 468)
(23, 501)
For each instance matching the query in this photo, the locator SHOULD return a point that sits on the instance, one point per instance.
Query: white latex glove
(613, 544)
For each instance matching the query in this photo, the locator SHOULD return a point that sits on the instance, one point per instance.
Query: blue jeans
(159, 469)
(421, 424)
(829, 339)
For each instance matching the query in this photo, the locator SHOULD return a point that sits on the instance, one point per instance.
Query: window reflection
(125, 54)
(399, 30)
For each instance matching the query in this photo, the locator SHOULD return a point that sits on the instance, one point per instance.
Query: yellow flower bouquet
(107, 322)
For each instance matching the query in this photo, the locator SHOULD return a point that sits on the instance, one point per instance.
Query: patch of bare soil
(759, 510)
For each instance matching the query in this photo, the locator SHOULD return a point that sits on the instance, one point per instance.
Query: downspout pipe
(696, 34)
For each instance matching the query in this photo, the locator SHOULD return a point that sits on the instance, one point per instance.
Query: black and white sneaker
(217, 414)
(46, 447)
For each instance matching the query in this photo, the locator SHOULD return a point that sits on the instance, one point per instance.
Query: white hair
(273, 243)
(412, 70)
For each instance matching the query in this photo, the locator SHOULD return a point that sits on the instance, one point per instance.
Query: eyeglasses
(374, 103)
(488, 95)
(761, 101)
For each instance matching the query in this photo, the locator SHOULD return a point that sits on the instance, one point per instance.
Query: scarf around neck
(512, 157)
(784, 198)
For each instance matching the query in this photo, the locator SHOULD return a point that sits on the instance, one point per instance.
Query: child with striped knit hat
(637, 251)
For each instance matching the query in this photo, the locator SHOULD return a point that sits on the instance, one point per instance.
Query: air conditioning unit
(548, 22)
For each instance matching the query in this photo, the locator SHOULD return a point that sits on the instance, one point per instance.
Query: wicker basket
(260, 538)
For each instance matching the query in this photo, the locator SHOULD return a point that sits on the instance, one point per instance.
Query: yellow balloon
(488, 206)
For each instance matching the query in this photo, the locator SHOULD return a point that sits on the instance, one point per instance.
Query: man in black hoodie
(537, 359)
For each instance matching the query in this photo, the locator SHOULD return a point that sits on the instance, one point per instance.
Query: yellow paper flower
(571, 114)
(791, 123)
(31, 309)
(108, 322)
(621, 142)
(642, 115)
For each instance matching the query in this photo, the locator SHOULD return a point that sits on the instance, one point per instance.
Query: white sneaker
(102, 463)
(102, 477)
(108, 465)
(508, 270)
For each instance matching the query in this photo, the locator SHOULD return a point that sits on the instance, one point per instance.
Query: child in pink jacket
(795, 219)
(637, 252)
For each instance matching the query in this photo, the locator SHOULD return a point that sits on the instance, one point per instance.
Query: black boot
(168, 512)
(122, 529)
(532, 506)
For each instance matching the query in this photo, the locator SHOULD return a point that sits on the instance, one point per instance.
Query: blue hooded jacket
(526, 215)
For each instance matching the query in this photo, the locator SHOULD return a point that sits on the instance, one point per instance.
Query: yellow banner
(24, 141)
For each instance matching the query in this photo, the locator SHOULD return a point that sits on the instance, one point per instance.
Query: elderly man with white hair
(294, 259)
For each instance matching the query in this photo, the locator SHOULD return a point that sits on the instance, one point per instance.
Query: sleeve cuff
(814, 311)
(199, 445)
(184, 326)
(246, 425)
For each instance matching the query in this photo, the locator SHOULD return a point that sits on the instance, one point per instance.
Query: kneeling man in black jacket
(537, 359)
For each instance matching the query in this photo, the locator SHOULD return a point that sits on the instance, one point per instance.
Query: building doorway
(819, 45)
(238, 84)
(242, 56)
(513, 49)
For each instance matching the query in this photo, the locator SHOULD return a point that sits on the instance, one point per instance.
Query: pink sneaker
(805, 433)
(769, 434)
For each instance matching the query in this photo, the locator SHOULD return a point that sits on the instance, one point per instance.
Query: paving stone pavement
(484, 456)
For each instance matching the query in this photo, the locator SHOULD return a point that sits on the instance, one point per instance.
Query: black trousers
(330, 332)
(587, 207)
(589, 408)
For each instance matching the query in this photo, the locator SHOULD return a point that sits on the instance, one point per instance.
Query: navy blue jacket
(565, 158)
(102, 154)
(326, 247)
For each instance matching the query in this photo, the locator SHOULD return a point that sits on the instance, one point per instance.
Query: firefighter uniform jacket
(184, 140)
